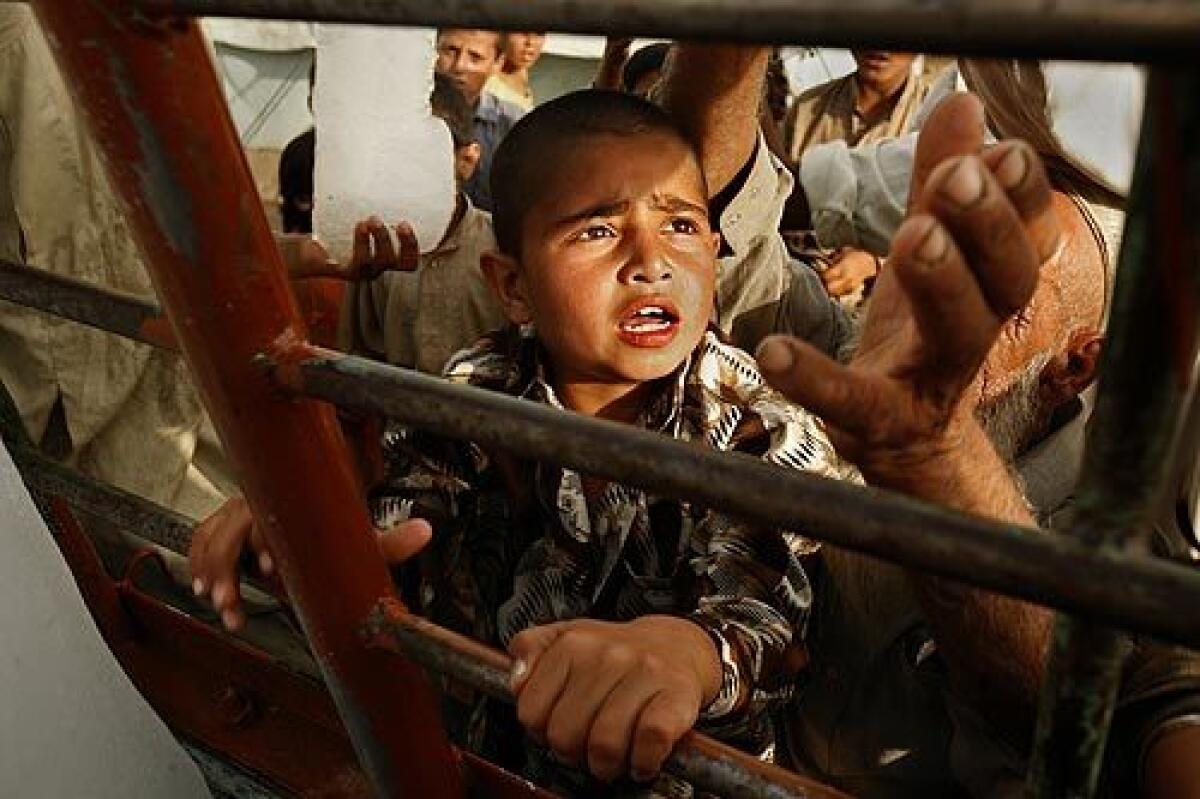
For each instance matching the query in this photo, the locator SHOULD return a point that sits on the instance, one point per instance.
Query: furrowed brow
(599, 211)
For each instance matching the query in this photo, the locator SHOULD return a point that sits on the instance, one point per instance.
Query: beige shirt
(132, 417)
(508, 93)
(829, 112)
(761, 290)
(419, 319)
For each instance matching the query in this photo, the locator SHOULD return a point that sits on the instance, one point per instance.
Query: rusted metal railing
(1133, 30)
(1145, 393)
(141, 74)
(1017, 561)
(158, 114)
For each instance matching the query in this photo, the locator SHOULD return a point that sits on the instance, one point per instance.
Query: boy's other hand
(615, 697)
(373, 254)
(966, 259)
(218, 544)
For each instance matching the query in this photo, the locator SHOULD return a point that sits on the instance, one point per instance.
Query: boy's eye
(593, 232)
(684, 225)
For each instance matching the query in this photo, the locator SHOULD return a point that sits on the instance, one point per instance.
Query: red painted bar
(155, 108)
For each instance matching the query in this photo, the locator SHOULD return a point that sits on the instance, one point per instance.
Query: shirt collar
(662, 414)
(454, 239)
(1050, 468)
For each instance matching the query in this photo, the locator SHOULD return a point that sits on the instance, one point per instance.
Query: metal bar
(155, 108)
(711, 767)
(1143, 399)
(1017, 561)
(124, 314)
(1130, 30)
(707, 764)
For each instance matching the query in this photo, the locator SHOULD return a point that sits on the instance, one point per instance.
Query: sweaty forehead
(608, 164)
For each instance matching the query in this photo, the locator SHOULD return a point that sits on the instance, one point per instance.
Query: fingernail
(265, 564)
(519, 669)
(197, 586)
(1012, 168)
(933, 247)
(219, 593)
(775, 356)
(964, 185)
(231, 619)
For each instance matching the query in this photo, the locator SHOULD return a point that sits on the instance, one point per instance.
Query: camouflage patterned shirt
(518, 544)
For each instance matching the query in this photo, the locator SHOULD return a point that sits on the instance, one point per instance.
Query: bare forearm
(995, 646)
(714, 93)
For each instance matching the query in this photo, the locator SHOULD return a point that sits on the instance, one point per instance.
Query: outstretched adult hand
(966, 259)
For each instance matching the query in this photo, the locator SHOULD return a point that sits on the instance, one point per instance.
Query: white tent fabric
(71, 723)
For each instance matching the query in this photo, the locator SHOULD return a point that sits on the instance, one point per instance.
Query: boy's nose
(646, 262)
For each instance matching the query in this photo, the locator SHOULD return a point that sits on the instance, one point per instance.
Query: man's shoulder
(493, 109)
(815, 94)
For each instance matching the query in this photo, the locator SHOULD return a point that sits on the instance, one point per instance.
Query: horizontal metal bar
(705, 763)
(1133, 436)
(710, 766)
(123, 314)
(1116, 30)
(1012, 560)
(123, 510)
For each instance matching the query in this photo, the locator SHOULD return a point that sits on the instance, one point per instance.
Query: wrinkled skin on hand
(967, 257)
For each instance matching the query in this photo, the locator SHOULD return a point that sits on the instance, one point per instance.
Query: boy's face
(618, 260)
(469, 58)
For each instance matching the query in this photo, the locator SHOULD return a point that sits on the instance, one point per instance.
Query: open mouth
(649, 323)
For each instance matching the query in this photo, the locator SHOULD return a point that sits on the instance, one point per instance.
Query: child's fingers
(401, 542)
(527, 646)
(612, 730)
(381, 238)
(665, 719)
(540, 673)
(591, 681)
(410, 250)
(361, 252)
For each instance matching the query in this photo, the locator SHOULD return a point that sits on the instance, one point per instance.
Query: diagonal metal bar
(1130, 30)
(156, 111)
(124, 314)
(1012, 560)
(1144, 396)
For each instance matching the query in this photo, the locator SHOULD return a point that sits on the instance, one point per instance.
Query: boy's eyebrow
(667, 202)
(599, 210)
(673, 204)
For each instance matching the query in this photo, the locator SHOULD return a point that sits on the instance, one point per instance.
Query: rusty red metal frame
(225, 695)
(156, 110)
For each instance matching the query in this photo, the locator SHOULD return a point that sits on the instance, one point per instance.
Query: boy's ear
(503, 275)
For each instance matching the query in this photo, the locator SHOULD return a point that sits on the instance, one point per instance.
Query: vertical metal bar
(154, 106)
(1144, 393)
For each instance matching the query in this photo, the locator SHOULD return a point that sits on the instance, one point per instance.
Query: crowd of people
(882, 280)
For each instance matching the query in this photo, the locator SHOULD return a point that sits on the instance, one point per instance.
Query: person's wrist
(927, 465)
(702, 657)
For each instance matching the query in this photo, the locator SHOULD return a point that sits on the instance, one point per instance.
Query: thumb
(399, 543)
(526, 647)
(840, 395)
